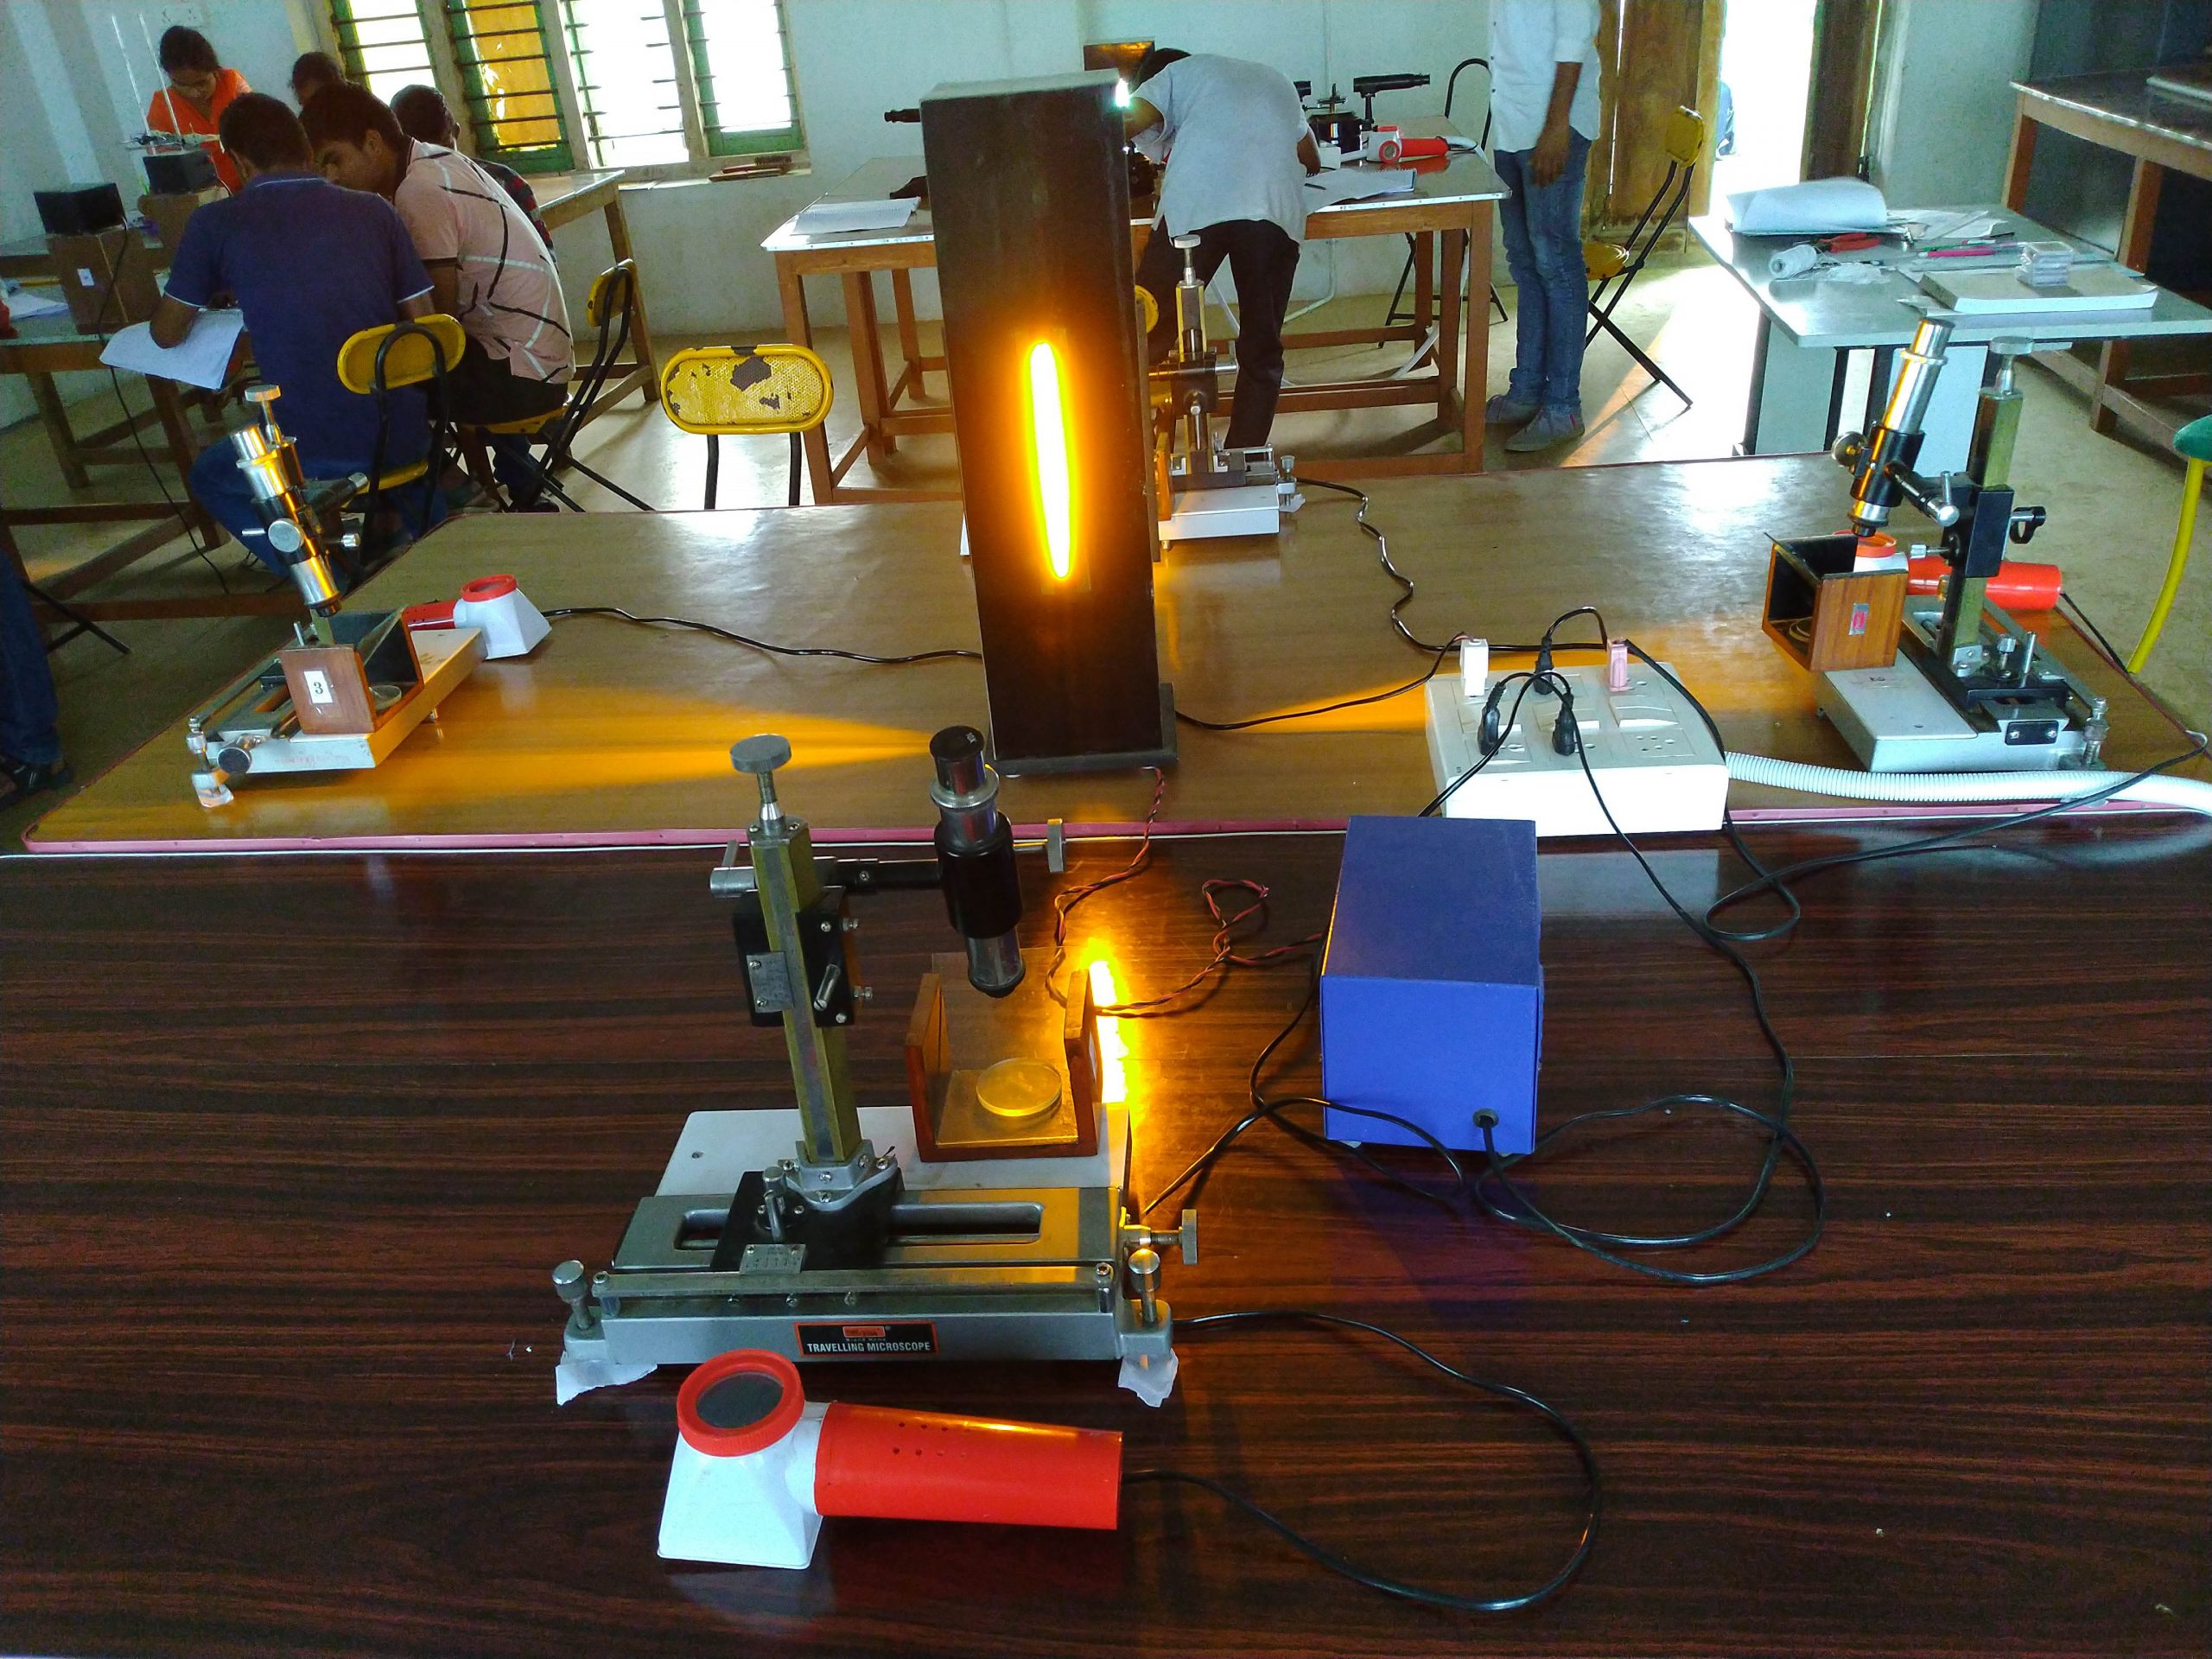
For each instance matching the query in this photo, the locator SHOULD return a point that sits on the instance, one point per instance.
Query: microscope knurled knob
(761, 755)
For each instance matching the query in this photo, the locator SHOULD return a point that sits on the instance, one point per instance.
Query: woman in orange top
(200, 90)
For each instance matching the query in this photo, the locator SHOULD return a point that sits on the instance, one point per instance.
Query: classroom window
(506, 62)
(552, 84)
(383, 44)
(740, 62)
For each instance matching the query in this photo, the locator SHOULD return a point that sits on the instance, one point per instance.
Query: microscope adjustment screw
(1144, 1272)
(569, 1281)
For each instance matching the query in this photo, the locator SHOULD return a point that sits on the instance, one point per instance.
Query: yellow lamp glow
(1048, 433)
(1113, 1047)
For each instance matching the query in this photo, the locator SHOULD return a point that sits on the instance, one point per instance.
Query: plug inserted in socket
(1648, 751)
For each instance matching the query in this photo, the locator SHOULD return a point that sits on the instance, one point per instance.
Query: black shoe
(21, 780)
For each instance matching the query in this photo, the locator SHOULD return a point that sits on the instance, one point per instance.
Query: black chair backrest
(614, 337)
(1452, 85)
(404, 330)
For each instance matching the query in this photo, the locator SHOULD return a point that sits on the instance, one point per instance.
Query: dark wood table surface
(291, 1145)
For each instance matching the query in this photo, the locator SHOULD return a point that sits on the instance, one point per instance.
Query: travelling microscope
(1204, 490)
(987, 1217)
(1969, 688)
(352, 684)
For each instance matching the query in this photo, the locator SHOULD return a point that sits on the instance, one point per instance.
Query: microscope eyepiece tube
(1895, 443)
(974, 858)
(279, 490)
(1916, 370)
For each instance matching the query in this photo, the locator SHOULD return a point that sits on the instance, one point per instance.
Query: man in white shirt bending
(1238, 151)
(1543, 104)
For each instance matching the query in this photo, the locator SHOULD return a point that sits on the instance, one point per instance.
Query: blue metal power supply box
(1432, 989)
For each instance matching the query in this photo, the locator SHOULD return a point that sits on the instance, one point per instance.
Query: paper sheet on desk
(830, 218)
(27, 302)
(1355, 184)
(1816, 207)
(204, 359)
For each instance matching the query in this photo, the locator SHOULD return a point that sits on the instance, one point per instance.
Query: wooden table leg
(2134, 252)
(910, 338)
(55, 417)
(867, 360)
(1424, 279)
(204, 532)
(791, 284)
(2020, 161)
(1474, 370)
(1448, 338)
(618, 238)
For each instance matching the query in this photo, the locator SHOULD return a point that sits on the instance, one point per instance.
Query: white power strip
(1649, 751)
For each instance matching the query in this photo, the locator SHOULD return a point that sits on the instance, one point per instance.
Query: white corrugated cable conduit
(2186, 794)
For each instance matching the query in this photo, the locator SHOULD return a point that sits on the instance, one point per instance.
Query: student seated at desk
(489, 269)
(310, 266)
(422, 115)
(200, 90)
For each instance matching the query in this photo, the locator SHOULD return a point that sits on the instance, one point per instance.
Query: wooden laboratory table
(293, 1143)
(1809, 327)
(2160, 133)
(564, 198)
(44, 347)
(1447, 215)
(611, 734)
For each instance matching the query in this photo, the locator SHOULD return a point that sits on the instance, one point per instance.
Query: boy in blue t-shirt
(310, 266)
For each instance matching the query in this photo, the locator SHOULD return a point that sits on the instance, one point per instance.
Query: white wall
(1942, 120)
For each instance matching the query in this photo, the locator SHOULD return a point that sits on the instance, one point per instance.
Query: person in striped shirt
(489, 269)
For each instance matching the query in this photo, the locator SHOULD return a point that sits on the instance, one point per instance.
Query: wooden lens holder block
(1824, 614)
(1010, 1077)
(332, 687)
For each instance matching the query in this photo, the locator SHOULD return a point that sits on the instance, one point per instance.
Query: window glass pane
(744, 77)
(626, 80)
(513, 99)
(383, 44)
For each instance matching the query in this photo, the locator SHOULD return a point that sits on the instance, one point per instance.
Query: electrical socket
(1650, 753)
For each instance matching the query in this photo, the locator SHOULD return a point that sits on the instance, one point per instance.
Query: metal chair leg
(1398, 294)
(1650, 368)
(606, 483)
(78, 622)
(795, 461)
(714, 468)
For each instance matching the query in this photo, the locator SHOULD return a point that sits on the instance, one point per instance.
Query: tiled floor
(2111, 503)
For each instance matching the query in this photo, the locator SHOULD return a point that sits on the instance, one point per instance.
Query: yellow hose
(2192, 484)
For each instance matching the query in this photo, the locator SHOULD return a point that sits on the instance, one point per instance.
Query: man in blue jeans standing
(1543, 102)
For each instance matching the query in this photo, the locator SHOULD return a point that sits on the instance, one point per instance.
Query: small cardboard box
(107, 277)
(170, 210)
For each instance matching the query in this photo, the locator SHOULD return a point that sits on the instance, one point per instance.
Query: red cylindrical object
(2018, 585)
(925, 1465)
(1421, 150)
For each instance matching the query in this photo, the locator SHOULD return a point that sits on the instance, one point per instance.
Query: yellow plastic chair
(607, 309)
(2195, 443)
(746, 390)
(1614, 265)
(377, 361)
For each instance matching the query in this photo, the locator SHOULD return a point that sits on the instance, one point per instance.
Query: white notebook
(2092, 287)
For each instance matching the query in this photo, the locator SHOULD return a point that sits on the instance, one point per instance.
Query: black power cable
(616, 612)
(1454, 1601)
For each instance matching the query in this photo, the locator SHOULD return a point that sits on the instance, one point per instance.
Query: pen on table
(1970, 249)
